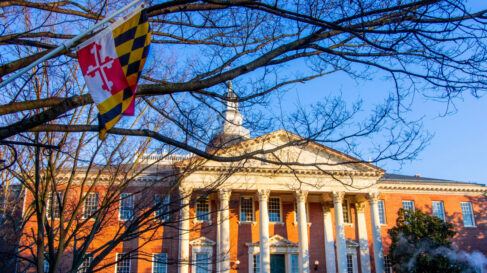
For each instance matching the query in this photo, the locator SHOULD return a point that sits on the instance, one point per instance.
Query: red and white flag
(111, 63)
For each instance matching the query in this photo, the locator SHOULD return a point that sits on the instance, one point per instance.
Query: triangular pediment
(202, 241)
(352, 244)
(276, 241)
(279, 241)
(283, 148)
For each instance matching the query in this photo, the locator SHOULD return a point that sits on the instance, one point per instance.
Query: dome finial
(231, 130)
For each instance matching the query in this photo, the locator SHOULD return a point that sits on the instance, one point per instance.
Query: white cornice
(424, 188)
(314, 172)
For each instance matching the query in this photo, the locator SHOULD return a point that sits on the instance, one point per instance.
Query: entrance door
(278, 263)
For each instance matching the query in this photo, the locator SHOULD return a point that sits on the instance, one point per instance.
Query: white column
(265, 255)
(303, 231)
(224, 195)
(376, 234)
(329, 240)
(340, 232)
(362, 236)
(185, 194)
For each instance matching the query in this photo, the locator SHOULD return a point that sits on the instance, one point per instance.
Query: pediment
(202, 241)
(352, 244)
(277, 241)
(287, 149)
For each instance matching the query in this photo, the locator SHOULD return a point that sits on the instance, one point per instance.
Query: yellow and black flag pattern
(132, 41)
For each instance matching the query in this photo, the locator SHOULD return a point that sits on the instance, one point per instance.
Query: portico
(339, 253)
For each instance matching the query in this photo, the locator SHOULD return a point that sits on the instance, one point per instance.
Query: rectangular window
(246, 209)
(467, 213)
(387, 264)
(294, 264)
(123, 263)
(203, 210)
(162, 207)
(350, 263)
(91, 205)
(256, 263)
(382, 212)
(274, 208)
(202, 263)
(46, 265)
(438, 210)
(408, 205)
(159, 263)
(83, 268)
(126, 206)
(53, 207)
(346, 212)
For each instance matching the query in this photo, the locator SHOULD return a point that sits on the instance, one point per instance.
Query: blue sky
(457, 150)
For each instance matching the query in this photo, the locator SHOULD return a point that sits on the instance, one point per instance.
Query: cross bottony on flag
(111, 63)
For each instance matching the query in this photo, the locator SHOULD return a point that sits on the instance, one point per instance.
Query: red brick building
(313, 212)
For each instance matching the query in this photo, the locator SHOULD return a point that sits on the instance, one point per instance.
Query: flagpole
(67, 44)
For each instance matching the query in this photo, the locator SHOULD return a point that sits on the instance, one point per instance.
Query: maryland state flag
(111, 63)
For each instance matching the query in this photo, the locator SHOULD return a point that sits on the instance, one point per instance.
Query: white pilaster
(376, 234)
(303, 231)
(185, 194)
(265, 256)
(224, 195)
(363, 239)
(218, 239)
(340, 232)
(329, 239)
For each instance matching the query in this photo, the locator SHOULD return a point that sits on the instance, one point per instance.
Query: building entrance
(278, 263)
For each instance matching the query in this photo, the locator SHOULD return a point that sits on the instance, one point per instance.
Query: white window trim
(45, 265)
(289, 264)
(156, 217)
(203, 250)
(251, 260)
(153, 260)
(89, 256)
(120, 206)
(240, 209)
(353, 251)
(412, 201)
(196, 220)
(385, 213)
(280, 211)
(84, 206)
(51, 200)
(350, 223)
(442, 206)
(116, 264)
(473, 215)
